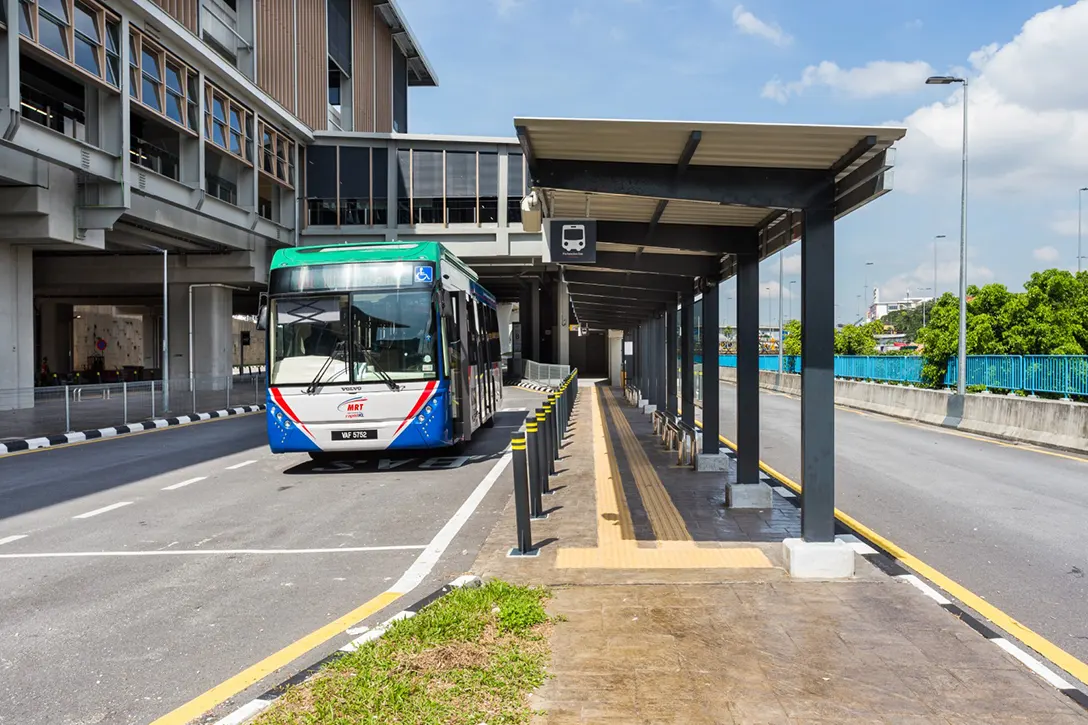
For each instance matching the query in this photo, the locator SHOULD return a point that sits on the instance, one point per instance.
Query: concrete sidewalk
(678, 610)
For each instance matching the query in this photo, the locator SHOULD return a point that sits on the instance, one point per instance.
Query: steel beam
(681, 265)
(612, 293)
(748, 370)
(818, 375)
(689, 237)
(671, 336)
(687, 359)
(631, 280)
(742, 185)
(711, 427)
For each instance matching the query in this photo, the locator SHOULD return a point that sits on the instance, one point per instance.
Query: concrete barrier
(1052, 423)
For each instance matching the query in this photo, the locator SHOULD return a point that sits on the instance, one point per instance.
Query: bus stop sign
(572, 241)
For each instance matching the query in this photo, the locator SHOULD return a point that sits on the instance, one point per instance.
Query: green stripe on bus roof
(361, 252)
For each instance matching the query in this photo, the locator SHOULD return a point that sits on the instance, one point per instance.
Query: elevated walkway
(678, 609)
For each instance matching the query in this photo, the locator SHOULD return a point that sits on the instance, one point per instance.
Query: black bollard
(542, 450)
(532, 439)
(549, 425)
(521, 497)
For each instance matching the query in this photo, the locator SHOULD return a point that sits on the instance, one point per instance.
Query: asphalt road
(90, 633)
(1008, 522)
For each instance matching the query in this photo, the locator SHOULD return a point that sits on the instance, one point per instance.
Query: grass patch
(471, 657)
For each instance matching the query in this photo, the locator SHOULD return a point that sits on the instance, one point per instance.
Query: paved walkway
(678, 610)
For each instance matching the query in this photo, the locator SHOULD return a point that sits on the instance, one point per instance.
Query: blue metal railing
(1059, 374)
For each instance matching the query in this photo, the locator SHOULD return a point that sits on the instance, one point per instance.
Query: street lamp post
(961, 357)
(1080, 209)
(939, 236)
(866, 290)
(923, 289)
(792, 283)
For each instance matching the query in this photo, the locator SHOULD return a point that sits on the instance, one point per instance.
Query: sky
(854, 62)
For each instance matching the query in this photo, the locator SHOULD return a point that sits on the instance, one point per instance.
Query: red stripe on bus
(278, 396)
(419, 404)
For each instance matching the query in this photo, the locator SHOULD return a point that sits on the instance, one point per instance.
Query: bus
(377, 346)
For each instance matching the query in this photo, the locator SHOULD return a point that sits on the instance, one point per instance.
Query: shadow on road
(30, 481)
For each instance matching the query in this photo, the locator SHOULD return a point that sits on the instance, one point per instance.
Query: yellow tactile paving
(613, 551)
(667, 523)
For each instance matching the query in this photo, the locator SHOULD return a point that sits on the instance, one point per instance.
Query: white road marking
(859, 546)
(422, 566)
(9, 539)
(184, 483)
(239, 465)
(198, 552)
(103, 510)
(925, 588)
(244, 713)
(1032, 664)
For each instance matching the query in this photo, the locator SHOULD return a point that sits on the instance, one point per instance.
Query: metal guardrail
(545, 373)
(1065, 375)
(52, 410)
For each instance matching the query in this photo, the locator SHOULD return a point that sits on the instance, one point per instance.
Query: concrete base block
(650, 408)
(818, 560)
(711, 462)
(642, 402)
(749, 496)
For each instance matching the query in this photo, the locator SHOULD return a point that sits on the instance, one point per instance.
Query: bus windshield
(368, 334)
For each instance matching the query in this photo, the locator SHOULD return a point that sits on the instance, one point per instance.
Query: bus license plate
(355, 435)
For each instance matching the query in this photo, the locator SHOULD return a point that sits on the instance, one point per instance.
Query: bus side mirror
(445, 304)
(262, 317)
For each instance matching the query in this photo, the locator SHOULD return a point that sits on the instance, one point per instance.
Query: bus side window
(473, 333)
(493, 335)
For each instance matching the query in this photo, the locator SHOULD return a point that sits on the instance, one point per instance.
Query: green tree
(858, 339)
(791, 345)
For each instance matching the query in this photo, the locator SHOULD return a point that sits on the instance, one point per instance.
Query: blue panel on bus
(284, 435)
(434, 428)
(482, 294)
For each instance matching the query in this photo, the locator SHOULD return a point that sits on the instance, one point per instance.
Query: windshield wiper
(385, 377)
(311, 389)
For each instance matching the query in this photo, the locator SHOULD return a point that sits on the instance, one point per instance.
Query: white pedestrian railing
(545, 373)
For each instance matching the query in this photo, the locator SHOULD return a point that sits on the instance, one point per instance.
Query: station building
(154, 154)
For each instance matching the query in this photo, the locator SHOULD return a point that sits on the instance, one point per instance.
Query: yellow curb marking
(1037, 642)
(255, 673)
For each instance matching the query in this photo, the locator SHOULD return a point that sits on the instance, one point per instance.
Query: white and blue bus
(376, 346)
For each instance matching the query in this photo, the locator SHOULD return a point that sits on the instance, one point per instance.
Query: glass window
(267, 150)
(26, 25)
(281, 160)
(404, 201)
(86, 22)
(392, 332)
(235, 132)
(134, 82)
(321, 185)
(54, 34)
(427, 186)
(149, 63)
(379, 185)
(461, 187)
(489, 188)
(87, 55)
(354, 185)
(113, 54)
(57, 8)
(516, 187)
(310, 340)
(149, 94)
(173, 78)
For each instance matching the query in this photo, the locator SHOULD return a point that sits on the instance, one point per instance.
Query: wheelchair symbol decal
(424, 274)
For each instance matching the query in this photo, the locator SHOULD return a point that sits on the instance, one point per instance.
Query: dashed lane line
(9, 539)
(206, 552)
(240, 465)
(103, 510)
(175, 486)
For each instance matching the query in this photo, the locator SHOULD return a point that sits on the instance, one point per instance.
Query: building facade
(182, 142)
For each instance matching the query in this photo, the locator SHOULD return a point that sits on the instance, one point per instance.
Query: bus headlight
(421, 418)
(428, 410)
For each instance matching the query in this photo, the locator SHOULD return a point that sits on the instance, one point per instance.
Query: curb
(890, 565)
(28, 444)
(366, 634)
(533, 387)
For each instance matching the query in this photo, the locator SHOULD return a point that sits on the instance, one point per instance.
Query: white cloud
(1046, 254)
(1028, 116)
(877, 78)
(791, 265)
(505, 7)
(1066, 224)
(921, 277)
(915, 24)
(749, 24)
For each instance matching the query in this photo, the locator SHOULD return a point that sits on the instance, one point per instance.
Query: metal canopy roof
(677, 200)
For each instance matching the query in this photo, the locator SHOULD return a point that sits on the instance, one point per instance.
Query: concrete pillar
(615, 357)
(817, 553)
(56, 335)
(747, 491)
(212, 341)
(533, 320)
(711, 458)
(671, 335)
(16, 327)
(152, 346)
(562, 315)
(687, 360)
